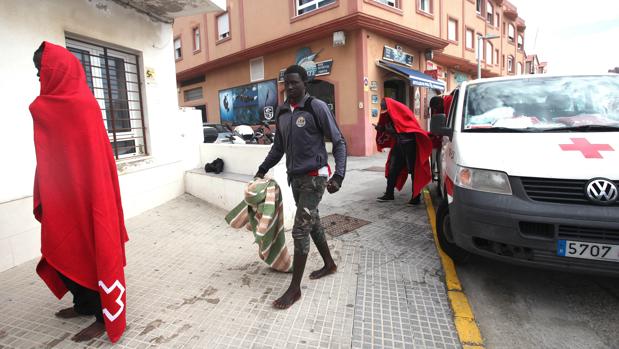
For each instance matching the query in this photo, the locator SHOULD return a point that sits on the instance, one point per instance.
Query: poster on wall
(247, 104)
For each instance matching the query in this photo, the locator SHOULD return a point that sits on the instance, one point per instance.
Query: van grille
(562, 191)
(572, 232)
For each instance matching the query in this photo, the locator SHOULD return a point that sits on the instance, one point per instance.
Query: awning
(415, 77)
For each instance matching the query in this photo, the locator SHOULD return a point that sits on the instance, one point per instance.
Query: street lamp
(480, 42)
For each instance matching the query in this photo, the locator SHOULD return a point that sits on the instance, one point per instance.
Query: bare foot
(95, 330)
(326, 270)
(67, 313)
(288, 299)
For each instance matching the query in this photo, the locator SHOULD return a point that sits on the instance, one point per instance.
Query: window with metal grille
(114, 79)
(305, 6)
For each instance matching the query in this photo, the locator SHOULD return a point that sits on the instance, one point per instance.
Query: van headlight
(483, 180)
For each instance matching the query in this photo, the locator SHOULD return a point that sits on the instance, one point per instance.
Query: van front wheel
(445, 235)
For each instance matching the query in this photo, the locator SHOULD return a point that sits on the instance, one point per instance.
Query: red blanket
(76, 193)
(404, 121)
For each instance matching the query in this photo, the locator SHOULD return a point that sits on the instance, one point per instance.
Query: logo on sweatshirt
(300, 121)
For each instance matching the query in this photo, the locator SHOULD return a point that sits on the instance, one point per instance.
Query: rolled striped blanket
(262, 212)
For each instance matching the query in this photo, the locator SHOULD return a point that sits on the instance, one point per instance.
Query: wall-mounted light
(339, 38)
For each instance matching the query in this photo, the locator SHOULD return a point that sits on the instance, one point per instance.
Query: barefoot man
(76, 196)
(302, 123)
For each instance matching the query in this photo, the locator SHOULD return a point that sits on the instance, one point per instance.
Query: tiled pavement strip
(193, 282)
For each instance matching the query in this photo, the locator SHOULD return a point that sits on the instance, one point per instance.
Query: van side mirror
(437, 126)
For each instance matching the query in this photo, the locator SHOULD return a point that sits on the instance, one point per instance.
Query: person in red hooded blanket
(77, 197)
(410, 145)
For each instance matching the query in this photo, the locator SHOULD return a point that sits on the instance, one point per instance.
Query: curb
(464, 319)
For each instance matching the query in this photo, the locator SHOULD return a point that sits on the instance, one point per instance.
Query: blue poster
(246, 105)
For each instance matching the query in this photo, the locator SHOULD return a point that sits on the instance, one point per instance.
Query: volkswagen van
(530, 172)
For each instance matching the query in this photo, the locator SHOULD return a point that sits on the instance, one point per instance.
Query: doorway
(324, 91)
(396, 89)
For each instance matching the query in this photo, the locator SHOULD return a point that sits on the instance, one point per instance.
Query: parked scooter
(264, 134)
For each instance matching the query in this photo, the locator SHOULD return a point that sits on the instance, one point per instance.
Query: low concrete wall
(241, 162)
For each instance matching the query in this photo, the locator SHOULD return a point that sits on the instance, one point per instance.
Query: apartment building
(534, 66)
(230, 64)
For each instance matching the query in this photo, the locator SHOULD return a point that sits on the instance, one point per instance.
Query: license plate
(588, 250)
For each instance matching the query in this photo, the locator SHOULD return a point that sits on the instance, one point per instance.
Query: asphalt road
(519, 307)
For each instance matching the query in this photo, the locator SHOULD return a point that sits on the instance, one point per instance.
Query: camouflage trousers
(307, 192)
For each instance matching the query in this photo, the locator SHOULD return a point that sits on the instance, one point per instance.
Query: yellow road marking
(464, 319)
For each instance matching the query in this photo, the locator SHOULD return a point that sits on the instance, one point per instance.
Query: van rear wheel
(445, 235)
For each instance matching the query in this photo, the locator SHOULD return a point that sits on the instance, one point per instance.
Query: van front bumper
(516, 229)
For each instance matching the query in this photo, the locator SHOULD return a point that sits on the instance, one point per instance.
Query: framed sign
(248, 104)
(397, 56)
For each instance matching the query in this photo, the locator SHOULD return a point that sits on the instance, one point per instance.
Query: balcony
(166, 10)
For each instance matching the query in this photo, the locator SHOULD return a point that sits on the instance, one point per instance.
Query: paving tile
(193, 282)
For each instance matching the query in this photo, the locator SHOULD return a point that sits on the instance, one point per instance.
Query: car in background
(530, 172)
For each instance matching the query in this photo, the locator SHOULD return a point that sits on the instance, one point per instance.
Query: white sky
(572, 36)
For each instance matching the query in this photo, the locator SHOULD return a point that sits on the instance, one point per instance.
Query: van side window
(452, 110)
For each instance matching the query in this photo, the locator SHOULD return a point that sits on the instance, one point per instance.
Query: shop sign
(433, 73)
(306, 59)
(460, 77)
(373, 85)
(397, 56)
(322, 68)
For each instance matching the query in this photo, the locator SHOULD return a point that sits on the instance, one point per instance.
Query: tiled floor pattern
(193, 282)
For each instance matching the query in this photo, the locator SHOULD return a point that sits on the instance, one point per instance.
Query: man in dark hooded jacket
(302, 124)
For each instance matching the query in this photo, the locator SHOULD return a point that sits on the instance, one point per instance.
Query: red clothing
(447, 103)
(76, 193)
(404, 121)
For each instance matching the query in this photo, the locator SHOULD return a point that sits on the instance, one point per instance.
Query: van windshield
(550, 104)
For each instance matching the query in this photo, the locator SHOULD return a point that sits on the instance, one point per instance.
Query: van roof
(532, 76)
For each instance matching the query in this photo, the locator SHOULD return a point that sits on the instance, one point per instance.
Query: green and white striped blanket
(262, 212)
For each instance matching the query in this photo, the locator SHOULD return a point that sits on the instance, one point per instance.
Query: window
(425, 6)
(391, 3)
(479, 47)
(193, 94)
(497, 22)
(510, 64)
(490, 13)
(510, 33)
(489, 52)
(519, 68)
(114, 79)
(256, 69)
(305, 6)
(196, 39)
(452, 30)
(178, 52)
(478, 6)
(520, 41)
(496, 56)
(223, 26)
(470, 35)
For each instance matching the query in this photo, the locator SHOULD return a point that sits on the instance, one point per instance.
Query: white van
(530, 172)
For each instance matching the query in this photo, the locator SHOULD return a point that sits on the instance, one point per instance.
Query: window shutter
(223, 26)
(256, 69)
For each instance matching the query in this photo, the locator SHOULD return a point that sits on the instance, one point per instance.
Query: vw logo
(602, 191)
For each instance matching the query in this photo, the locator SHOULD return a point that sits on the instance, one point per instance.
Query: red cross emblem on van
(588, 150)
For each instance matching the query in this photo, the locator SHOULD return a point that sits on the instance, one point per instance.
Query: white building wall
(173, 135)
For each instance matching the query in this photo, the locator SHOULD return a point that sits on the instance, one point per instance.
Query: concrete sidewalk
(194, 282)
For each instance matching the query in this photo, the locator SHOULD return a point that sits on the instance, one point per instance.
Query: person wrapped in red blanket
(410, 145)
(77, 197)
